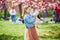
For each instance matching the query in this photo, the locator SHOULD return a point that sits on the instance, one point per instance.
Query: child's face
(28, 10)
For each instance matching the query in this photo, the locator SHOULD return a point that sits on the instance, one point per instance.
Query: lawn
(13, 31)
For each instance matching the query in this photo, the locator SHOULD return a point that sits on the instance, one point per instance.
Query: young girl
(13, 14)
(30, 32)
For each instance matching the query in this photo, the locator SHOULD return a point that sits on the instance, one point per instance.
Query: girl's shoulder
(26, 15)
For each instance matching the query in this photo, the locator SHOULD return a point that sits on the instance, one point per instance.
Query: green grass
(13, 31)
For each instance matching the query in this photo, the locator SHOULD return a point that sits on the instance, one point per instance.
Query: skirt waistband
(30, 27)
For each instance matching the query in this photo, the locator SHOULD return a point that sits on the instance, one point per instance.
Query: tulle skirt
(30, 34)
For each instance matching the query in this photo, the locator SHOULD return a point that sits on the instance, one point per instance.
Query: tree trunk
(20, 10)
(5, 8)
(5, 13)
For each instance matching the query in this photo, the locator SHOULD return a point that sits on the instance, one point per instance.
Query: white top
(12, 12)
